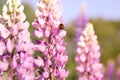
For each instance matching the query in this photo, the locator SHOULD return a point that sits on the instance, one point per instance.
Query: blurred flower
(118, 73)
(50, 43)
(118, 60)
(81, 22)
(110, 70)
(88, 55)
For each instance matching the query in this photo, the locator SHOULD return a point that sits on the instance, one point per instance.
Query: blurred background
(103, 14)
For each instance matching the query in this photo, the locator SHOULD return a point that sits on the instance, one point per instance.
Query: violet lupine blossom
(88, 55)
(50, 33)
(16, 48)
(118, 60)
(118, 68)
(118, 73)
(110, 70)
(81, 23)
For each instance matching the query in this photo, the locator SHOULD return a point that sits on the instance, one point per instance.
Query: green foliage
(69, 39)
(108, 33)
(30, 15)
(71, 68)
(2, 2)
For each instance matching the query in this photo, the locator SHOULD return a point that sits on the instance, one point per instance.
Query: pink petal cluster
(81, 23)
(110, 70)
(50, 33)
(118, 74)
(16, 48)
(88, 55)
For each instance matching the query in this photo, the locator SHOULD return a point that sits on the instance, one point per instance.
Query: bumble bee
(61, 26)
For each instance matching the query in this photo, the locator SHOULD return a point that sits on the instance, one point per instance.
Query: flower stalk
(16, 45)
(88, 55)
(50, 41)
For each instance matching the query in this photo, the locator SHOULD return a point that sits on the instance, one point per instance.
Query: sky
(107, 9)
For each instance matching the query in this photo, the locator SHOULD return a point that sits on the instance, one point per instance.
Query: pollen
(45, 0)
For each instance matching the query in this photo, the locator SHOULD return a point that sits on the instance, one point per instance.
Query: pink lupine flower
(110, 70)
(1, 78)
(15, 43)
(118, 74)
(2, 47)
(25, 69)
(88, 55)
(41, 47)
(63, 73)
(81, 22)
(14, 61)
(4, 32)
(50, 43)
(3, 65)
(118, 60)
(10, 45)
(38, 62)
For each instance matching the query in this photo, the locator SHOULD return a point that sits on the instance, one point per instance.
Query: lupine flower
(81, 22)
(4, 65)
(118, 60)
(16, 48)
(49, 31)
(118, 73)
(88, 55)
(110, 70)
